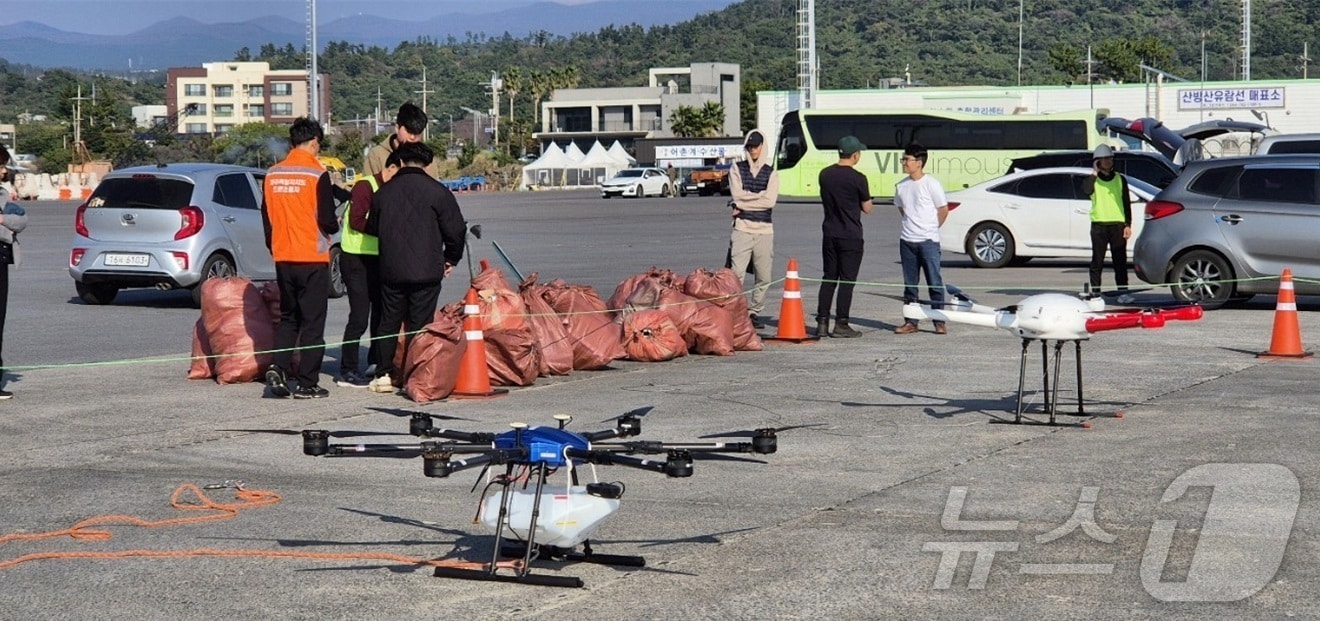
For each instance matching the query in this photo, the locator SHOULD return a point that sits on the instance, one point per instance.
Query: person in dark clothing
(1111, 219)
(420, 231)
(13, 219)
(845, 195)
(298, 212)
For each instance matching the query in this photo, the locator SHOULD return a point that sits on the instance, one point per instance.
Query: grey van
(1226, 222)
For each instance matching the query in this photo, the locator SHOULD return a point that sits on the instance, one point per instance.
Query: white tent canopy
(548, 169)
(574, 153)
(598, 165)
(619, 153)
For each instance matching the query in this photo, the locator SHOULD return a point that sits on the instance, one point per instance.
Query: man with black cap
(754, 186)
(845, 195)
(1111, 219)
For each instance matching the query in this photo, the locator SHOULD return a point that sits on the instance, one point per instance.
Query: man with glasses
(754, 186)
(920, 199)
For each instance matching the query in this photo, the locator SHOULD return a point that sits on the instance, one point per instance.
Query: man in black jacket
(420, 229)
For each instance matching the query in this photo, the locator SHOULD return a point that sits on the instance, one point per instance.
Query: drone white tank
(569, 515)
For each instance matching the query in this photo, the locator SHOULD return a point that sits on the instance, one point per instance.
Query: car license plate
(127, 260)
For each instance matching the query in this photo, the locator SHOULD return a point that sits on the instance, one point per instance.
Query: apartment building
(215, 97)
(625, 114)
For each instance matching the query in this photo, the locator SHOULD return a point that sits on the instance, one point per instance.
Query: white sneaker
(381, 384)
(1126, 299)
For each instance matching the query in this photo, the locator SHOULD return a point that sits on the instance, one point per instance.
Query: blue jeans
(923, 257)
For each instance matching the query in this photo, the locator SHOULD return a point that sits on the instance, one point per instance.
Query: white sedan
(637, 183)
(1031, 213)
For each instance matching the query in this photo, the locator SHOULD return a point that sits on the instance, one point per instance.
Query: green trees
(704, 122)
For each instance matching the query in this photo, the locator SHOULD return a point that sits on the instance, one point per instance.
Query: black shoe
(844, 331)
(311, 392)
(5, 394)
(275, 380)
(756, 322)
(822, 328)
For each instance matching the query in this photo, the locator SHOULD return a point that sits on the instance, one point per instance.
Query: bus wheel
(990, 245)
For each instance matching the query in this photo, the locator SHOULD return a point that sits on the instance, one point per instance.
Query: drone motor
(316, 442)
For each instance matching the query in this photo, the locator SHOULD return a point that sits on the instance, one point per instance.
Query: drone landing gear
(1051, 396)
(565, 555)
(568, 582)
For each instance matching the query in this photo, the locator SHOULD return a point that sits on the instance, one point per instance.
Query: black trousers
(1108, 235)
(842, 259)
(4, 309)
(304, 293)
(403, 305)
(362, 277)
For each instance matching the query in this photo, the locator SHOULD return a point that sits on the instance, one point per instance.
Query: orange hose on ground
(220, 511)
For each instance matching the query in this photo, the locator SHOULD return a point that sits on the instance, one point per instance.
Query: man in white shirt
(920, 199)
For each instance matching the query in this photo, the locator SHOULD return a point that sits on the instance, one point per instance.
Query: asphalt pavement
(902, 497)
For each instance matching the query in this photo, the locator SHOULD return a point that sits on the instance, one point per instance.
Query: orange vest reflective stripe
(290, 191)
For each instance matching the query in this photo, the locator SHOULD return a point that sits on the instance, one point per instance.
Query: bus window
(791, 146)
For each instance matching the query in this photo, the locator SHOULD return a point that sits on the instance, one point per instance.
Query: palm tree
(513, 82)
(683, 122)
(711, 119)
(538, 82)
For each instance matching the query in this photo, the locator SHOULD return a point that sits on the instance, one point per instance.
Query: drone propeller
(637, 413)
(403, 413)
(333, 434)
(752, 433)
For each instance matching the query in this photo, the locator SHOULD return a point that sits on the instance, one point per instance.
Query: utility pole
(1090, 74)
(1021, 14)
(1246, 40)
(375, 125)
(313, 80)
(496, 84)
(1305, 58)
(78, 148)
(424, 92)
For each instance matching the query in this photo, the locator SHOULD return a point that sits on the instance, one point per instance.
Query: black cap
(754, 139)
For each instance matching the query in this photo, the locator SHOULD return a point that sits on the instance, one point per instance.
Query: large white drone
(1048, 317)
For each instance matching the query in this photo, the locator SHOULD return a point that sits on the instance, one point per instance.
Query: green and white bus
(965, 149)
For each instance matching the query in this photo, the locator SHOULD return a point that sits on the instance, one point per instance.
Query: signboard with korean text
(698, 151)
(1252, 98)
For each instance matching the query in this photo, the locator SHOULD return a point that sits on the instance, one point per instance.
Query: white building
(149, 116)
(1285, 105)
(584, 116)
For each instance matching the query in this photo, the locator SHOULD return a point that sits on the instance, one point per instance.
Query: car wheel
(96, 295)
(216, 266)
(337, 287)
(990, 245)
(605, 196)
(682, 193)
(641, 192)
(1202, 276)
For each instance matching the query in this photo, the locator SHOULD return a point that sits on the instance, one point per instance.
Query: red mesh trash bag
(238, 325)
(434, 359)
(512, 357)
(399, 372)
(650, 336)
(202, 366)
(625, 290)
(722, 288)
(550, 330)
(501, 306)
(596, 338)
(706, 327)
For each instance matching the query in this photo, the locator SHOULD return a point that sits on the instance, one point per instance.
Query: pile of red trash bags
(534, 330)
(666, 315)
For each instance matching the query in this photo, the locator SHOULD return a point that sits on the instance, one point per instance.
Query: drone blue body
(545, 445)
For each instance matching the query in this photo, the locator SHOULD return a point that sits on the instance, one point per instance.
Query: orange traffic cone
(473, 375)
(1287, 339)
(792, 320)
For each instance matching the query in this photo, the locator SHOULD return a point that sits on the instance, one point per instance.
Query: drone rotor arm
(475, 437)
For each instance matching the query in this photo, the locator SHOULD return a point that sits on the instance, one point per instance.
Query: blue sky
(124, 16)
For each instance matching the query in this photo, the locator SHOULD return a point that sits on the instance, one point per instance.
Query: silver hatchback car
(173, 226)
(1226, 229)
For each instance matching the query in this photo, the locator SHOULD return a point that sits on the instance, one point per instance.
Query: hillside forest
(860, 44)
